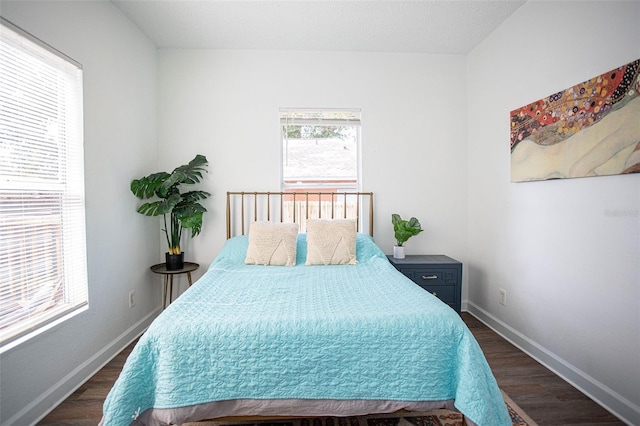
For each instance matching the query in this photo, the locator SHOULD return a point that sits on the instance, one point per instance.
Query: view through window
(320, 149)
(320, 153)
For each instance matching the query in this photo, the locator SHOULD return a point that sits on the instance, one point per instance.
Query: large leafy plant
(405, 229)
(183, 209)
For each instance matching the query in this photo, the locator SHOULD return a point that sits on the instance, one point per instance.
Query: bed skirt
(278, 408)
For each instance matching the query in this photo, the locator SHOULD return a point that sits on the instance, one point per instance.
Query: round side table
(161, 268)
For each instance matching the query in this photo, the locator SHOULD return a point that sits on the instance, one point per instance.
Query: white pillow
(331, 242)
(272, 244)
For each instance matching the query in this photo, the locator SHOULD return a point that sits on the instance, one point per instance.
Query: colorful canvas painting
(590, 129)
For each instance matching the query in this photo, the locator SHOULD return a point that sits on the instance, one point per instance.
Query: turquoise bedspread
(270, 332)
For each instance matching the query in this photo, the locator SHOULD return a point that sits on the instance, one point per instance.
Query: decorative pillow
(272, 244)
(331, 242)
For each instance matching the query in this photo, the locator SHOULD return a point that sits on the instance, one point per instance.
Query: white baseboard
(37, 409)
(626, 410)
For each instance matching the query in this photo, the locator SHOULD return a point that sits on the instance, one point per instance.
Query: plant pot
(174, 261)
(398, 252)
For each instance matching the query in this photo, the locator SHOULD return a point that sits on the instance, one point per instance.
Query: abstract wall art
(590, 129)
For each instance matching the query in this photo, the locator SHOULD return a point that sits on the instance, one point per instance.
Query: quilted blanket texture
(343, 332)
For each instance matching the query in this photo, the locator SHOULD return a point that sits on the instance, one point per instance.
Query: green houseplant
(403, 230)
(183, 209)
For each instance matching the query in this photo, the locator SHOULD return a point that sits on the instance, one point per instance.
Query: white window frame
(43, 278)
(318, 116)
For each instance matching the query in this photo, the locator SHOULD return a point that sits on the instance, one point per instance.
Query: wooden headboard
(296, 207)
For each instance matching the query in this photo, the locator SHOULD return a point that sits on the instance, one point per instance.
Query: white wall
(120, 144)
(224, 104)
(571, 271)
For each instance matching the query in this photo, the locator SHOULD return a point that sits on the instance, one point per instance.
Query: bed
(325, 339)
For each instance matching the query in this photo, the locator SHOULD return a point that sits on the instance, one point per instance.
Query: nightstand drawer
(430, 276)
(446, 293)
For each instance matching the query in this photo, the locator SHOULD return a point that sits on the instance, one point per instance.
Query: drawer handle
(429, 277)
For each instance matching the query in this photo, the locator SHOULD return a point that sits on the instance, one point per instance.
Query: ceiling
(422, 26)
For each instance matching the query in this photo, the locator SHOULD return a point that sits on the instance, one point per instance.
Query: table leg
(189, 278)
(170, 288)
(164, 291)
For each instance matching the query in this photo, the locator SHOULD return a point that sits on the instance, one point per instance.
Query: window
(43, 278)
(320, 149)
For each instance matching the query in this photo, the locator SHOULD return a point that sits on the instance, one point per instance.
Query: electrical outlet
(503, 296)
(132, 299)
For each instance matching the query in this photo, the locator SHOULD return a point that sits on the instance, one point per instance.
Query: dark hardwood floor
(545, 397)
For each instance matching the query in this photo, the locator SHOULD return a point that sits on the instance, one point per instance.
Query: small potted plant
(183, 209)
(403, 230)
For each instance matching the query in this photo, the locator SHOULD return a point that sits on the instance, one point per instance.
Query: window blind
(325, 117)
(43, 273)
